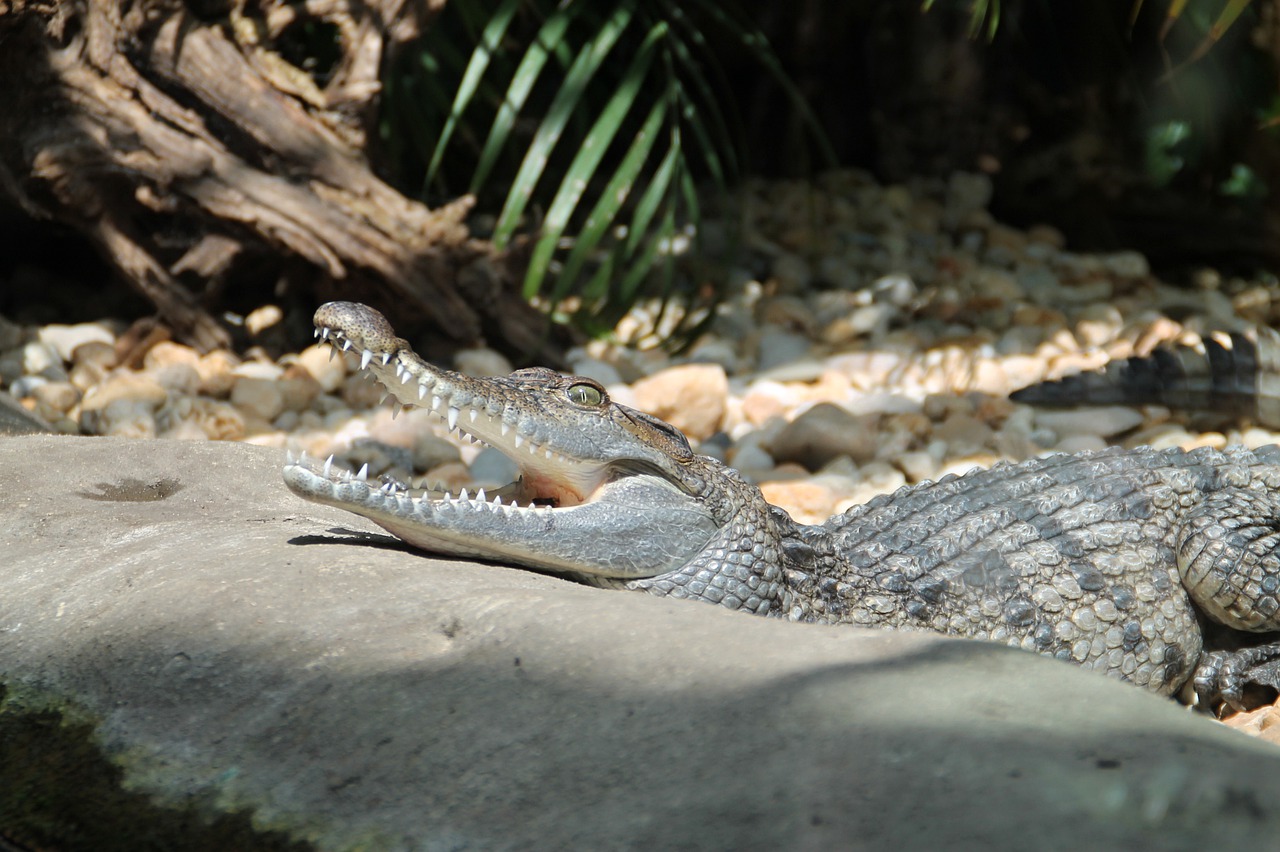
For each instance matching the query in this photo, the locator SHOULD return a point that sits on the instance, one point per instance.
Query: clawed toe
(1222, 676)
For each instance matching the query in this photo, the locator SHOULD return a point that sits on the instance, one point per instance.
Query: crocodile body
(1114, 560)
(1236, 381)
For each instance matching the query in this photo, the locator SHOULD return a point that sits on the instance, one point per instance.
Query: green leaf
(526, 74)
(490, 40)
(615, 193)
(580, 172)
(642, 264)
(562, 106)
(716, 140)
(647, 206)
(597, 289)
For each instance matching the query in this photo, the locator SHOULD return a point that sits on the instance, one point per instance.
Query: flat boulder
(232, 654)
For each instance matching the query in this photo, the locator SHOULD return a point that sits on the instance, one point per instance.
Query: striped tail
(1240, 381)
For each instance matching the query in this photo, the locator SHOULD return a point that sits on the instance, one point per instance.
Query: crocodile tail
(1241, 380)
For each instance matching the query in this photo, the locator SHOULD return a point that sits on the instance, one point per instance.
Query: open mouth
(549, 479)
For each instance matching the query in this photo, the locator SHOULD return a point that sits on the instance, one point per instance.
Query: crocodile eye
(585, 395)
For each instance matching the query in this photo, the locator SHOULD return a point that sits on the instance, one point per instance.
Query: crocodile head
(605, 492)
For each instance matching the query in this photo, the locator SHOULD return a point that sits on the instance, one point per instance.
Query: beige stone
(260, 398)
(129, 421)
(807, 501)
(65, 339)
(328, 371)
(217, 372)
(97, 352)
(690, 397)
(54, 399)
(263, 318)
(430, 451)
(176, 377)
(87, 375)
(185, 430)
(964, 433)
(481, 362)
(450, 476)
(765, 400)
(360, 391)
(220, 421)
(167, 352)
(297, 387)
(1263, 723)
(124, 406)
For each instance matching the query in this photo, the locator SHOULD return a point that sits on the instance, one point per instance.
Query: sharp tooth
(463, 495)
(550, 454)
(316, 334)
(395, 410)
(504, 428)
(386, 396)
(386, 358)
(533, 449)
(332, 352)
(497, 499)
(473, 414)
(365, 357)
(328, 463)
(519, 440)
(453, 418)
(480, 495)
(435, 402)
(346, 345)
(422, 391)
(363, 475)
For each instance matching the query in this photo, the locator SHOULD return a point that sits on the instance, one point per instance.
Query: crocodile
(1239, 380)
(1121, 561)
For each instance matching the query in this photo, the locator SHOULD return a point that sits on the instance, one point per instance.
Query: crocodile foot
(1223, 676)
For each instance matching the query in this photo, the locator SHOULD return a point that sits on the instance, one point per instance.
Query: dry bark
(178, 137)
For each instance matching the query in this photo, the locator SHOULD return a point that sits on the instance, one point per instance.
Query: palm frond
(587, 125)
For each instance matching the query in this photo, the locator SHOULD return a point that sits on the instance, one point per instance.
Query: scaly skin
(1111, 560)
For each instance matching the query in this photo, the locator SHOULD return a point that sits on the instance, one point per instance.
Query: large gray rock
(237, 649)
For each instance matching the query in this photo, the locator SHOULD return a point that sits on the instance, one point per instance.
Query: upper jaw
(481, 410)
